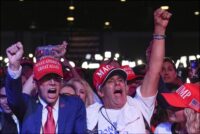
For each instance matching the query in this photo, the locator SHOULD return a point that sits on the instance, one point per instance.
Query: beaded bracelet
(159, 37)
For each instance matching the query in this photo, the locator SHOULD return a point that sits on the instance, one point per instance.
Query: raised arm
(13, 80)
(150, 83)
(14, 53)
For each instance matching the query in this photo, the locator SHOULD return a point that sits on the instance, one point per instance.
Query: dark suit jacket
(7, 123)
(71, 116)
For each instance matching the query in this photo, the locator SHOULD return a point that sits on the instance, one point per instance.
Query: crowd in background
(153, 94)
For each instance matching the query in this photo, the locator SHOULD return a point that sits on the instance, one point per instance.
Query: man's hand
(161, 20)
(14, 54)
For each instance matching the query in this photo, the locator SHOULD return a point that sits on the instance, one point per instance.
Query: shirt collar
(44, 104)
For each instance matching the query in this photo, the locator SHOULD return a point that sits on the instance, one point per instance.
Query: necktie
(49, 127)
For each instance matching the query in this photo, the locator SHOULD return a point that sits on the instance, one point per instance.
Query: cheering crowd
(43, 97)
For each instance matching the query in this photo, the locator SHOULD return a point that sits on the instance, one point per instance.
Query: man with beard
(118, 112)
(48, 113)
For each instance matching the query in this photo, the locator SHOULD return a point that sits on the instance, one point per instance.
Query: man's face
(113, 92)
(132, 86)
(3, 101)
(49, 88)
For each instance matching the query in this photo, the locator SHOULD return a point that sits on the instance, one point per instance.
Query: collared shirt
(16, 122)
(16, 74)
(45, 113)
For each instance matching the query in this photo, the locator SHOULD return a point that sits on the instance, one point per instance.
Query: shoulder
(71, 100)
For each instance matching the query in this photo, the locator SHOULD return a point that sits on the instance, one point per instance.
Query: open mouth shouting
(118, 92)
(52, 93)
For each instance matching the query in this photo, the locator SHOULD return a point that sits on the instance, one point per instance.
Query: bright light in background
(117, 55)
(125, 62)
(123, 0)
(107, 54)
(70, 18)
(107, 23)
(6, 60)
(98, 57)
(139, 62)
(183, 60)
(132, 63)
(187, 80)
(196, 13)
(177, 63)
(164, 7)
(62, 59)
(192, 57)
(34, 60)
(93, 65)
(1, 58)
(198, 56)
(72, 63)
(88, 56)
(71, 7)
(84, 65)
(106, 59)
(30, 55)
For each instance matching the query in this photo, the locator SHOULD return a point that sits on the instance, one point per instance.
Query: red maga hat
(47, 65)
(103, 72)
(186, 96)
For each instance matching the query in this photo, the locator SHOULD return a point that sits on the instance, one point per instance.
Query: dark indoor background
(40, 22)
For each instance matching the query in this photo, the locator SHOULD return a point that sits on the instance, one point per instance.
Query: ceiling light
(196, 13)
(71, 7)
(164, 7)
(123, 0)
(70, 18)
(107, 23)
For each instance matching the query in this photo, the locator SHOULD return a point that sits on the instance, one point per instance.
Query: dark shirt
(7, 124)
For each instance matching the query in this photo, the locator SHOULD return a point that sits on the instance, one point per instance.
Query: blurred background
(95, 30)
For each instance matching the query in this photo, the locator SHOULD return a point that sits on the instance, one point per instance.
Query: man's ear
(100, 92)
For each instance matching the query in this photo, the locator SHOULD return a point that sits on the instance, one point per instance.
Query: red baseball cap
(130, 73)
(186, 96)
(103, 72)
(47, 65)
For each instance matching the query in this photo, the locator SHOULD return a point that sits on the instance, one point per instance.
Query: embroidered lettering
(183, 92)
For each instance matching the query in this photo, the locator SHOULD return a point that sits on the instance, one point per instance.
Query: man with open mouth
(49, 113)
(118, 112)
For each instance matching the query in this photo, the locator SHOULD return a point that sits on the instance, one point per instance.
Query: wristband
(159, 37)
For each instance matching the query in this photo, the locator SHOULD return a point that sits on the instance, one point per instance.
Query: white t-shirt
(108, 119)
(128, 119)
(163, 128)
